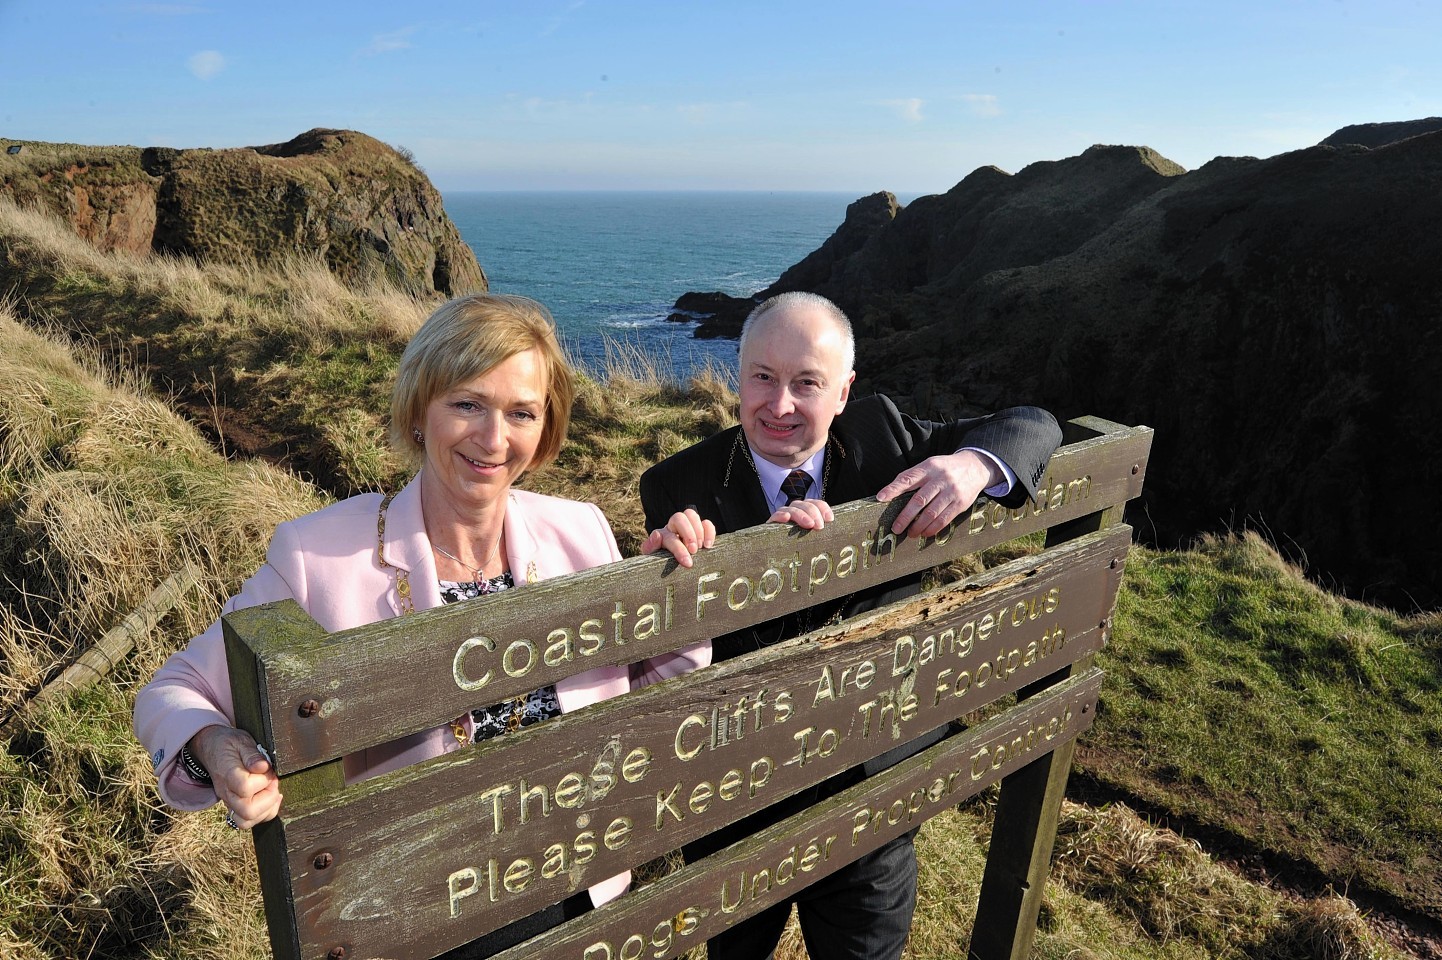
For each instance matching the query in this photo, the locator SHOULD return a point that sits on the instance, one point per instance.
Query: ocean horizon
(609, 265)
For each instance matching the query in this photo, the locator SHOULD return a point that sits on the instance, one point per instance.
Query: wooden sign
(415, 862)
(591, 794)
(326, 695)
(695, 903)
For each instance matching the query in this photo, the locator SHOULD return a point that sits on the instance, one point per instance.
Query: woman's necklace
(478, 573)
(407, 605)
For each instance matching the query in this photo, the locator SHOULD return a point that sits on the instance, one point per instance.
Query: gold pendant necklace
(477, 573)
(407, 605)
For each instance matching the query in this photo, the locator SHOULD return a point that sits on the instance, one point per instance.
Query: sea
(610, 265)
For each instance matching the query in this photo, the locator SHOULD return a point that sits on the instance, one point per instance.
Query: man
(796, 370)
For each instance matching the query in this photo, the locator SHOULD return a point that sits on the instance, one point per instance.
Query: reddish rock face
(115, 217)
(359, 204)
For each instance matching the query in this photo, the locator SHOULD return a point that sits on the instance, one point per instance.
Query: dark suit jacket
(870, 443)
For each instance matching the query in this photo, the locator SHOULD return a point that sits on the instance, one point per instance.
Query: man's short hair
(463, 339)
(798, 298)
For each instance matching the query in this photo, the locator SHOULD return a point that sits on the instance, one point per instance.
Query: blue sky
(609, 94)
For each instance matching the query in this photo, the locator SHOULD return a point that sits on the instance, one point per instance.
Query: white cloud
(982, 104)
(705, 114)
(560, 20)
(908, 109)
(388, 42)
(206, 63)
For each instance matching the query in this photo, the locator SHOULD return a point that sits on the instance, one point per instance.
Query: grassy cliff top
(1244, 705)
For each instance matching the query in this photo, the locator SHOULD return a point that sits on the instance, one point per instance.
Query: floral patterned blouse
(501, 718)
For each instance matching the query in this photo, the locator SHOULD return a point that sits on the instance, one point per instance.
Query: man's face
(792, 383)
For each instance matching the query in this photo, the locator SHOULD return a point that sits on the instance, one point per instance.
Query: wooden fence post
(1029, 807)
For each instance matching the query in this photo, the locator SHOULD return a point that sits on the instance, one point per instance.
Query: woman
(483, 396)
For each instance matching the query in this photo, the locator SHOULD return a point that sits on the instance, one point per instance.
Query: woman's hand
(683, 535)
(243, 778)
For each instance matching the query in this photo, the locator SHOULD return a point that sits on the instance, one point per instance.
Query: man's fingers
(906, 480)
(677, 545)
(926, 514)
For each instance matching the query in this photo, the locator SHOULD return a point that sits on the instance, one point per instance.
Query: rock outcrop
(1374, 135)
(358, 203)
(721, 315)
(1275, 320)
(989, 221)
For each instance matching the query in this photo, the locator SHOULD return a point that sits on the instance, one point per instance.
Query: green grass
(1239, 697)
(1242, 697)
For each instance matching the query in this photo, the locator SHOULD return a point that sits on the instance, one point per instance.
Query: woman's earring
(420, 437)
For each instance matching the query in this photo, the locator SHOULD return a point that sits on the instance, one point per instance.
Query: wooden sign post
(429, 857)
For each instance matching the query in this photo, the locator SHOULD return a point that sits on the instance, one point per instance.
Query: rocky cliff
(358, 203)
(1375, 135)
(1275, 320)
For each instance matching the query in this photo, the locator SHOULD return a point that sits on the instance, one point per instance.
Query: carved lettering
(663, 935)
(993, 757)
(669, 805)
(457, 665)
(738, 888)
(704, 596)
(819, 572)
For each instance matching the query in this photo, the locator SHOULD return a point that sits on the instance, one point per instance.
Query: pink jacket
(327, 562)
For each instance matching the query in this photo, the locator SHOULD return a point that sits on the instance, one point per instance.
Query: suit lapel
(407, 547)
(843, 478)
(742, 503)
(521, 549)
(740, 499)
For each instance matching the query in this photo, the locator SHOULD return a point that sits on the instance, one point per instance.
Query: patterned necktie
(795, 485)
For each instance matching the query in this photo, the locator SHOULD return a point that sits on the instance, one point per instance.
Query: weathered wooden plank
(1029, 805)
(1023, 836)
(116, 643)
(695, 903)
(469, 842)
(247, 685)
(377, 683)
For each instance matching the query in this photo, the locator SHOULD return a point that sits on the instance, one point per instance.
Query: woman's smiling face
(482, 434)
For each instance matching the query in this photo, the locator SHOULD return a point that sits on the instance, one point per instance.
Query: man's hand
(944, 485)
(806, 514)
(243, 778)
(683, 535)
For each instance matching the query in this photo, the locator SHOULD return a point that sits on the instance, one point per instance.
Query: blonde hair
(463, 339)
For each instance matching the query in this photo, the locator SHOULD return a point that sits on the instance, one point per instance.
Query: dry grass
(95, 867)
(270, 360)
(1175, 893)
(1122, 889)
(104, 489)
